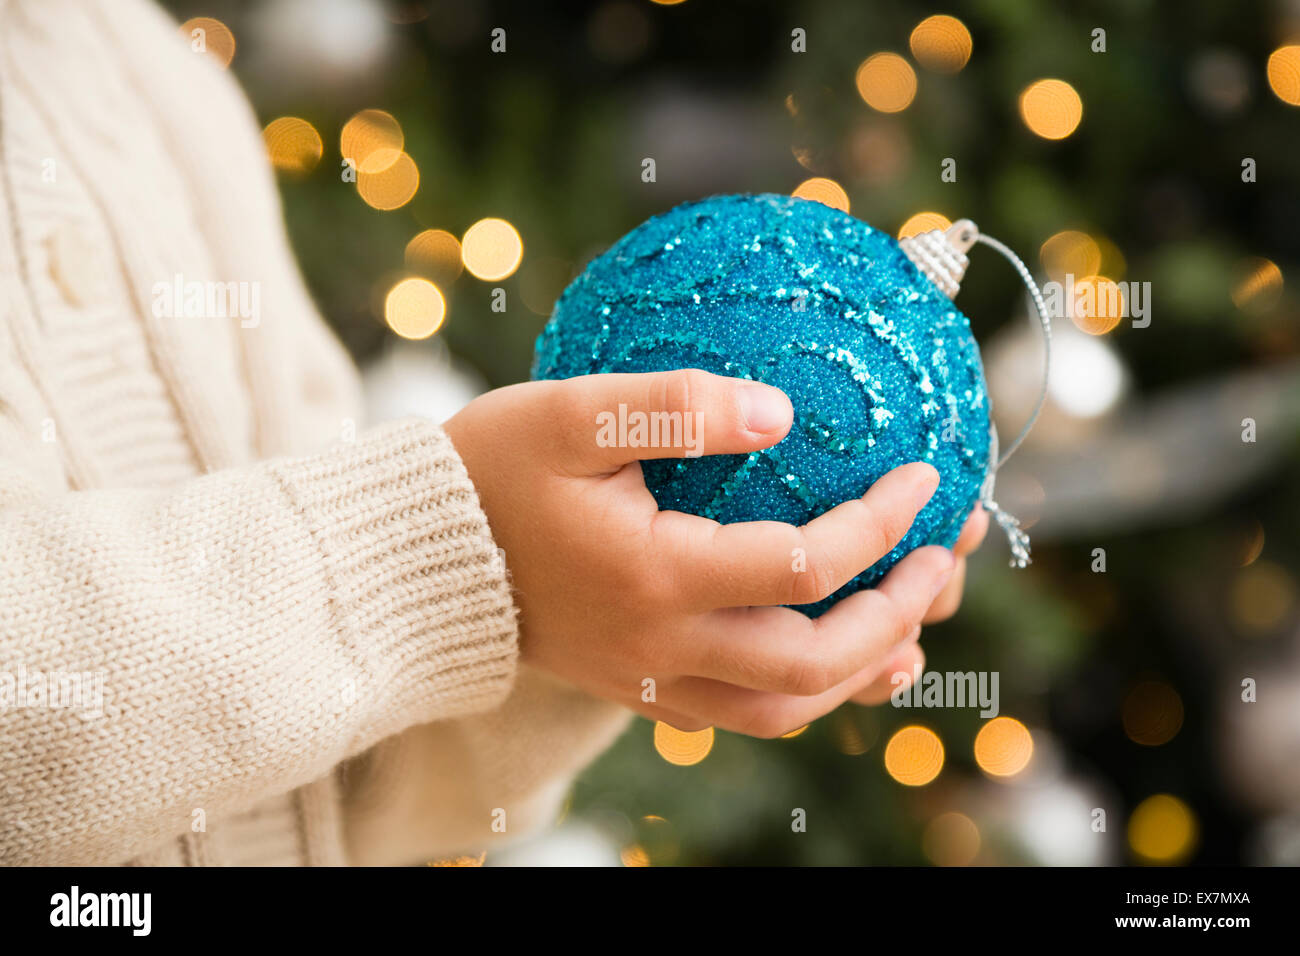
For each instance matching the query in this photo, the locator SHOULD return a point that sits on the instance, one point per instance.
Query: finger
(781, 651)
(905, 592)
(949, 599)
(906, 666)
(972, 532)
(769, 562)
(672, 718)
(610, 420)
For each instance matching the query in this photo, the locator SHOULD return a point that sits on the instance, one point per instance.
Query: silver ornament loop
(941, 255)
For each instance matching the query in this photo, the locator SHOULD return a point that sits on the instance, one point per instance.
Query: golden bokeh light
(1262, 595)
(1070, 253)
(368, 132)
(886, 82)
(951, 839)
(435, 253)
(1098, 304)
(1113, 263)
(1051, 108)
(293, 145)
(461, 860)
(1003, 747)
(211, 37)
(634, 856)
(682, 748)
(941, 43)
(914, 755)
(825, 191)
(923, 222)
(1162, 829)
(1152, 713)
(1284, 73)
(491, 249)
(388, 179)
(1259, 286)
(414, 308)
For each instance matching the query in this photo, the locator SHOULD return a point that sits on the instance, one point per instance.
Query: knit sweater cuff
(420, 590)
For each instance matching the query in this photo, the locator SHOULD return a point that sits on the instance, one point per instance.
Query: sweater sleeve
(478, 783)
(203, 647)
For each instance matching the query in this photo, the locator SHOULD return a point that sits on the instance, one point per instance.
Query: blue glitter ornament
(880, 366)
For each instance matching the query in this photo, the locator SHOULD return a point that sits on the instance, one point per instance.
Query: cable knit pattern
(305, 634)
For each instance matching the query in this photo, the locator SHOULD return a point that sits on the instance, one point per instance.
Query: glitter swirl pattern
(881, 367)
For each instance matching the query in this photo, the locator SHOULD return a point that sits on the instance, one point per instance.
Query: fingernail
(926, 487)
(766, 409)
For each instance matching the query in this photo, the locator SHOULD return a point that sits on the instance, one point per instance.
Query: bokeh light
(1070, 253)
(435, 253)
(1003, 747)
(366, 133)
(491, 249)
(914, 755)
(293, 145)
(825, 191)
(461, 860)
(1098, 304)
(414, 308)
(682, 748)
(951, 839)
(634, 855)
(1284, 74)
(1162, 830)
(1152, 713)
(1263, 594)
(941, 43)
(923, 222)
(1051, 108)
(387, 179)
(211, 37)
(1087, 377)
(1258, 286)
(886, 82)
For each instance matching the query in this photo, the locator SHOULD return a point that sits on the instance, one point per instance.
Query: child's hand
(909, 659)
(675, 615)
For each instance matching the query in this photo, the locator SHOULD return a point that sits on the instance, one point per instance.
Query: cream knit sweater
(305, 638)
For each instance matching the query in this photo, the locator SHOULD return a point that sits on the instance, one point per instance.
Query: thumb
(611, 420)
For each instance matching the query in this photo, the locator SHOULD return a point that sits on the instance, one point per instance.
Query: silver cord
(1016, 538)
(1044, 320)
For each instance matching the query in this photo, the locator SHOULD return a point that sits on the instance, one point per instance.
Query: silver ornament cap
(941, 254)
